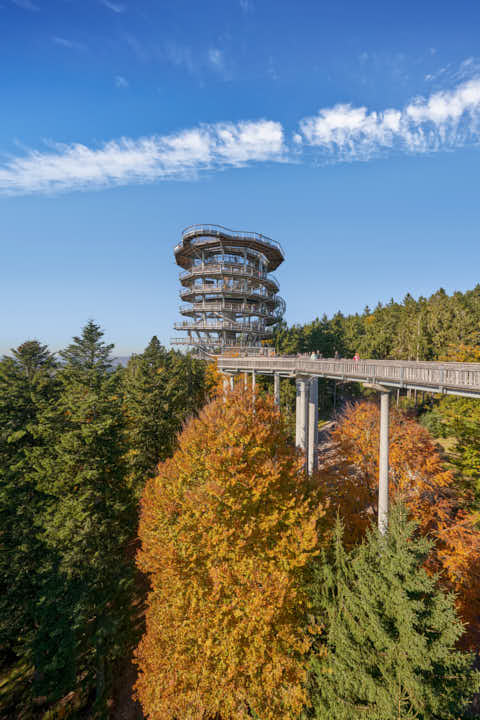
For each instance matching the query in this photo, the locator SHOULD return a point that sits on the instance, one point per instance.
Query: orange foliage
(461, 353)
(227, 528)
(349, 479)
(213, 380)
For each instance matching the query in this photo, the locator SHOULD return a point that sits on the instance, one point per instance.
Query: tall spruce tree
(161, 389)
(27, 386)
(149, 436)
(84, 606)
(388, 648)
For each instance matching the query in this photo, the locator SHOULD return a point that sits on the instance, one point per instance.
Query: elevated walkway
(446, 378)
(382, 375)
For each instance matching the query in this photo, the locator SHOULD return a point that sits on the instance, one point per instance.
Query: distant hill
(121, 360)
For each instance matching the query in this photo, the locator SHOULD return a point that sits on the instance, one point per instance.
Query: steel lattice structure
(229, 293)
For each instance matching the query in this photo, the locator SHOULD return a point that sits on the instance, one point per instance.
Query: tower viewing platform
(229, 293)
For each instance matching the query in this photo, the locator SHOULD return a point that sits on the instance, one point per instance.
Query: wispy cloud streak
(77, 167)
(114, 6)
(26, 5)
(70, 44)
(446, 119)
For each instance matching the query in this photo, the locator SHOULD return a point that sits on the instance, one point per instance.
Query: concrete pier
(303, 390)
(312, 459)
(276, 389)
(383, 462)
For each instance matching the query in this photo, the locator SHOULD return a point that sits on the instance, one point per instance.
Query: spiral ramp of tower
(229, 294)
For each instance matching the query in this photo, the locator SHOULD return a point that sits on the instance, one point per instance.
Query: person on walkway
(356, 358)
(336, 356)
(313, 356)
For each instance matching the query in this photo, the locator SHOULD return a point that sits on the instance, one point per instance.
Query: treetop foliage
(389, 645)
(78, 440)
(88, 351)
(348, 478)
(423, 329)
(227, 528)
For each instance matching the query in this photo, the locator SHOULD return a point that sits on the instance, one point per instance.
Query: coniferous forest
(163, 554)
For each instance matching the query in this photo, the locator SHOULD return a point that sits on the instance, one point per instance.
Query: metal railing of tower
(193, 233)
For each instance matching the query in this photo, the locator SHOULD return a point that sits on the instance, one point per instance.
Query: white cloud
(120, 81)
(215, 58)
(446, 119)
(26, 5)
(113, 6)
(246, 5)
(124, 161)
(180, 56)
(70, 44)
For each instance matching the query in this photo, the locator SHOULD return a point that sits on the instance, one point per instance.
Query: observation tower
(228, 291)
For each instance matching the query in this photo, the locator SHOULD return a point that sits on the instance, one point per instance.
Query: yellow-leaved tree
(227, 529)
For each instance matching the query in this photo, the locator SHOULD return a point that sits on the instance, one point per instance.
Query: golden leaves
(226, 529)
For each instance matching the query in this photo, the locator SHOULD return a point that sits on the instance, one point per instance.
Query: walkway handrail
(222, 325)
(248, 308)
(226, 269)
(214, 290)
(447, 378)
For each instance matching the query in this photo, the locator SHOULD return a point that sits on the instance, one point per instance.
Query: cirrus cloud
(445, 120)
(120, 162)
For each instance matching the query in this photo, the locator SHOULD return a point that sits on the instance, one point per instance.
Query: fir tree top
(89, 351)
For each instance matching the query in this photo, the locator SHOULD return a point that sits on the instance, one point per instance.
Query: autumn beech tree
(348, 478)
(228, 527)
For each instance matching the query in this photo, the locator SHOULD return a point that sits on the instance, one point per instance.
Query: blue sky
(348, 131)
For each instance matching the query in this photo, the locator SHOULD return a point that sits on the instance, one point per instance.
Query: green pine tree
(161, 390)
(27, 386)
(85, 601)
(148, 430)
(387, 651)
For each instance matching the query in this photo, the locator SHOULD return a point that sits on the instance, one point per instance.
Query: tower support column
(383, 462)
(312, 459)
(276, 389)
(225, 387)
(302, 407)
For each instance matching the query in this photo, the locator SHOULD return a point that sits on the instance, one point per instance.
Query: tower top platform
(204, 236)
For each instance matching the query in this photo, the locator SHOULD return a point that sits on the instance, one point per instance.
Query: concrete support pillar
(276, 389)
(383, 463)
(232, 382)
(301, 436)
(245, 380)
(225, 387)
(312, 459)
(298, 414)
(253, 382)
